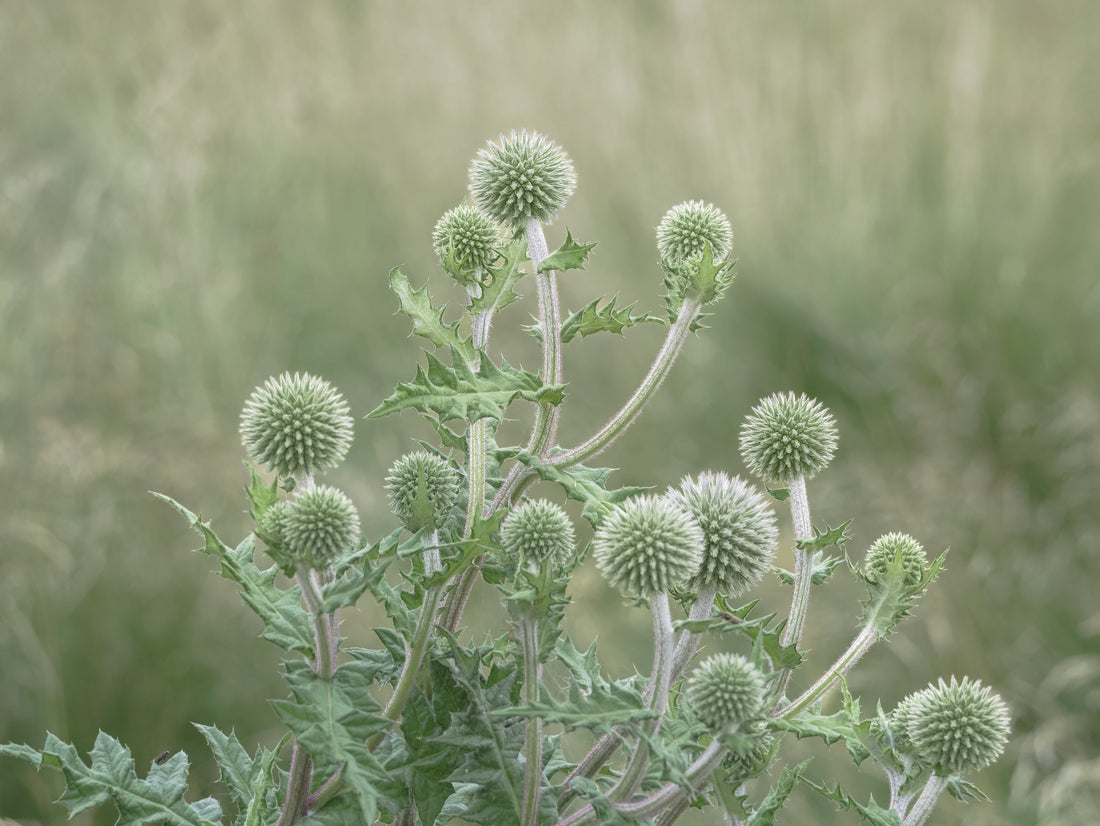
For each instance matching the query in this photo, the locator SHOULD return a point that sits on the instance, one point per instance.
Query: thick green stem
(803, 573)
(926, 802)
(297, 791)
(532, 773)
(860, 646)
(546, 284)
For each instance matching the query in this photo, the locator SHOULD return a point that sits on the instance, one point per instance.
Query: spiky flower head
(685, 229)
(320, 526)
(648, 545)
(525, 175)
(958, 728)
(296, 425)
(540, 532)
(272, 523)
(468, 237)
(751, 759)
(422, 490)
(886, 549)
(787, 437)
(726, 690)
(739, 530)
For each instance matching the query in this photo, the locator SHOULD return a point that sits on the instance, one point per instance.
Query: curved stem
(532, 772)
(546, 284)
(803, 573)
(688, 643)
(926, 802)
(630, 411)
(860, 646)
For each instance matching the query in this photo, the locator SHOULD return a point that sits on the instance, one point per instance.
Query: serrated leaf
(823, 539)
(869, 812)
(779, 494)
(459, 393)
(110, 776)
(427, 319)
(889, 597)
(829, 728)
(823, 567)
(569, 256)
(766, 639)
(964, 790)
(260, 495)
(601, 318)
(250, 781)
(496, 289)
(709, 283)
(286, 623)
(764, 814)
(597, 710)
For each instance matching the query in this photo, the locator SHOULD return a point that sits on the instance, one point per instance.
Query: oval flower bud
(885, 550)
(740, 530)
(540, 532)
(469, 237)
(422, 490)
(296, 425)
(685, 229)
(524, 176)
(958, 728)
(319, 526)
(787, 437)
(726, 690)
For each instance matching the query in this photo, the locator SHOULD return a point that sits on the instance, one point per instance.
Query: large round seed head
(885, 550)
(320, 526)
(788, 436)
(296, 425)
(422, 490)
(958, 728)
(739, 527)
(648, 545)
(684, 231)
(525, 175)
(470, 236)
(726, 690)
(539, 531)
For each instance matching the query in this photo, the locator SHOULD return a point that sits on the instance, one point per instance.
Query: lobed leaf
(569, 256)
(427, 319)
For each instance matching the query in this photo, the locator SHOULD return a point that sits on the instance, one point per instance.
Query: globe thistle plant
(686, 229)
(319, 526)
(538, 532)
(958, 727)
(648, 545)
(422, 490)
(788, 437)
(739, 530)
(296, 425)
(726, 690)
(899, 719)
(526, 175)
(886, 549)
(465, 240)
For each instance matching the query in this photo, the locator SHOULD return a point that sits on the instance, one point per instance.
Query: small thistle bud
(525, 176)
(739, 530)
(468, 237)
(744, 762)
(684, 230)
(648, 545)
(540, 532)
(726, 690)
(958, 728)
(272, 523)
(296, 425)
(422, 490)
(898, 721)
(320, 526)
(787, 437)
(885, 550)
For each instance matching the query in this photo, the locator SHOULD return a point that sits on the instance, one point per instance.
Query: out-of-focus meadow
(195, 196)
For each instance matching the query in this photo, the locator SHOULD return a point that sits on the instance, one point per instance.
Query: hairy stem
(297, 791)
(926, 802)
(546, 284)
(532, 772)
(860, 646)
(803, 573)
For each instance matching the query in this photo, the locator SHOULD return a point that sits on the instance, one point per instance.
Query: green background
(195, 196)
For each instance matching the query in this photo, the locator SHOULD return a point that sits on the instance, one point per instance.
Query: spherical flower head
(788, 437)
(524, 176)
(726, 690)
(885, 550)
(740, 530)
(320, 526)
(296, 425)
(467, 236)
(648, 545)
(684, 231)
(899, 719)
(422, 490)
(958, 728)
(540, 532)
(273, 523)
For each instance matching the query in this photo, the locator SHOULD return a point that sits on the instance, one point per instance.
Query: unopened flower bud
(787, 437)
(320, 526)
(540, 532)
(886, 549)
(469, 237)
(684, 231)
(726, 690)
(524, 176)
(422, 490)
(958, 728)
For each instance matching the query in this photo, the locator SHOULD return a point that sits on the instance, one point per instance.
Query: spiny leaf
(823, 539)
(889, 597)
(596, 710)
(569, 256)
(250, 781)
(260, 495)
(285, 621)
(111, 777)
(496, 290)
(459, 393)
(428, 320)
(764, 814)
(597, 318)
(823, 566)
(756, 629)
(869, 812)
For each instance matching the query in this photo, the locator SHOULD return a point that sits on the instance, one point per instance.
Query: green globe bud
(726, 690)
(469, 238)
(885, 550)
(685, 229)
(739, 530)
(540, 532)
(422, 490)
(648, 545)
(788, 437)
(525, 176)
(272, 524)
(320, 526)
(898, 721)
(958, 728)
(296, 425)
(745, 762)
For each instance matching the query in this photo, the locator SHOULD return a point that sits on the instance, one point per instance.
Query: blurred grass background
(195, 196)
